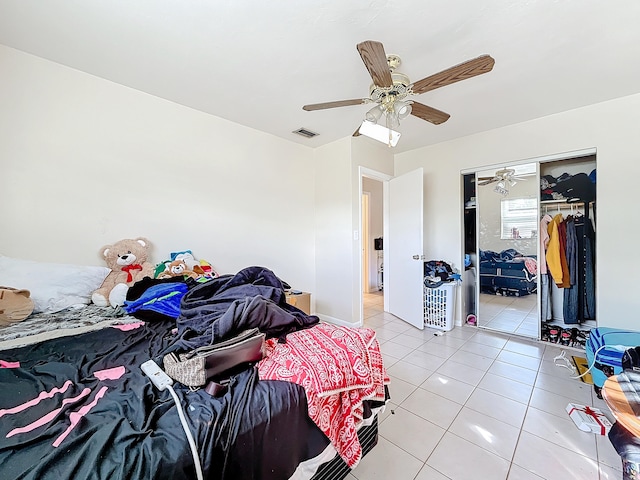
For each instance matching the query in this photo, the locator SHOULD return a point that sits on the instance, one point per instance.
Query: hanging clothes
(586, 235)
(545, 286)
(544, 240)
(570, 309)
(556, 257)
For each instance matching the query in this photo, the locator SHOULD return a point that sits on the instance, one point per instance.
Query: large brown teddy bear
(127, 260)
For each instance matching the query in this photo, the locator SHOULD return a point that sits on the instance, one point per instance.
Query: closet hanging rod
(562, 205)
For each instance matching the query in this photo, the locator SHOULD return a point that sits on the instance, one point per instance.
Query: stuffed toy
(179, 268)
(171, 267)
(15, 305)
(127, 260)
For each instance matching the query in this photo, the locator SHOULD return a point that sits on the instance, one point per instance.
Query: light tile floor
(476, 404)
(510, 314)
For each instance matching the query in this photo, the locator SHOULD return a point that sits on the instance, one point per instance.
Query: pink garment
(5, 364)
(128, 326)
(110, 373)
(531, 265)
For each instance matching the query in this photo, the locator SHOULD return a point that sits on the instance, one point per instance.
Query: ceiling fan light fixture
(379, 133)
(392, 120)
(374, 114)
(402, 109)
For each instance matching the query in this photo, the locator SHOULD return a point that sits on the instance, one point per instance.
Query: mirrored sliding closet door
(507, 249)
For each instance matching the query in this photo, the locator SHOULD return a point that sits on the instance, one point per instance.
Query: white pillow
(53, 286)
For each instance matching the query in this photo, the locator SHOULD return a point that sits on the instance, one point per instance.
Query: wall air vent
(305, 133)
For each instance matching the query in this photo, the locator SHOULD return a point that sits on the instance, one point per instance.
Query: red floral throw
(338, 367)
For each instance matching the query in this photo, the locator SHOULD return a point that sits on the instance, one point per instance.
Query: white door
(404, 262)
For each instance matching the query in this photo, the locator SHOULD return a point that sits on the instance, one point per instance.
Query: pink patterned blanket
(338, 367)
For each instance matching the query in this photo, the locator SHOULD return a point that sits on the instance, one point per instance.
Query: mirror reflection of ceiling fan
(390, 89)
(504, 177)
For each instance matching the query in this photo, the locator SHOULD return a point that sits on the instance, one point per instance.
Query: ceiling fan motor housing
(399, 90)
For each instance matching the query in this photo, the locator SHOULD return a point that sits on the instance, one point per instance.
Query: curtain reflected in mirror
(507, 223)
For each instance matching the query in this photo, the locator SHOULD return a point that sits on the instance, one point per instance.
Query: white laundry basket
(438, 306)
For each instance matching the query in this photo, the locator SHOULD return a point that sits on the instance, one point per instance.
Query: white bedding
(53, 286)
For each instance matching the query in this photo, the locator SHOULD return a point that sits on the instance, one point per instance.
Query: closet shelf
(563, 200)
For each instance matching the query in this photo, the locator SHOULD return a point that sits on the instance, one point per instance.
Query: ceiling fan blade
(487, 182)
(468, 69)
(374, 58)
(429, 114)
(339, 103)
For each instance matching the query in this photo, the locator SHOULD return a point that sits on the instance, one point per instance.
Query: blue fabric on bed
(163, 298)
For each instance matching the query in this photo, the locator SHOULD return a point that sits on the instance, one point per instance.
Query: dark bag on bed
(196, 368)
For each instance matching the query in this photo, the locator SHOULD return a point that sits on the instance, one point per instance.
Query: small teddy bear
(127, 260)
(179, 268)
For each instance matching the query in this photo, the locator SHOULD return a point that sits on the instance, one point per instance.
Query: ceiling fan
(390, 89)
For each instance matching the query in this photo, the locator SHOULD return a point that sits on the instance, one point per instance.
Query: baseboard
(337, 321)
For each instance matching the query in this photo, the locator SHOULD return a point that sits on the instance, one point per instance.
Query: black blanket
(127, 429)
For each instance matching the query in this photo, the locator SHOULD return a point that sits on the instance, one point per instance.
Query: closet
(550, 204)
(567, 243)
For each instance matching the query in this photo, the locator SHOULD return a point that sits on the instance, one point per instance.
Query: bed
(78, 406)
(507, 273)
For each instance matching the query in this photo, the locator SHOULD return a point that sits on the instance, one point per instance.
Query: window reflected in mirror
(518, 218)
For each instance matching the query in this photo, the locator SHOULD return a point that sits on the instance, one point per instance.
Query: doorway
(372, 236)
(399, 261)
(372, 223)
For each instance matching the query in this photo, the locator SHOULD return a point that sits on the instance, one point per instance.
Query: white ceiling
(257, 62)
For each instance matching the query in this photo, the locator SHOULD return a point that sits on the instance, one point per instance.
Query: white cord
(592, 365)
(192, 443)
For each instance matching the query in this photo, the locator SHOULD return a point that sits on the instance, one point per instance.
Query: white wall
(611, 127)
(333, 226)
(338, 293)
(85, 162)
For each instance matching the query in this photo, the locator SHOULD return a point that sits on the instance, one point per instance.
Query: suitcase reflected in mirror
(507, 232)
